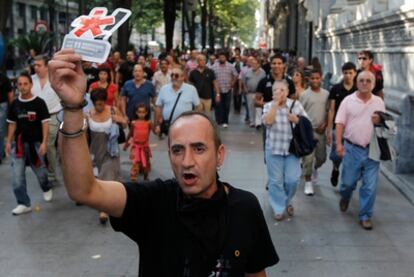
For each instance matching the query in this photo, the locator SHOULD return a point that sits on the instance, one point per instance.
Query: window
(33, 12)
(22, 10)
(43, 14)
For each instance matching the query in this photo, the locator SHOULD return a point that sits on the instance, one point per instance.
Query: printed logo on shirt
(31, 116)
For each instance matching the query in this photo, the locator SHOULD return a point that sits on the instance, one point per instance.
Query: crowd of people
(141, 94)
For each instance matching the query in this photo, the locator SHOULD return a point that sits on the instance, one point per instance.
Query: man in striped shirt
(226, 76)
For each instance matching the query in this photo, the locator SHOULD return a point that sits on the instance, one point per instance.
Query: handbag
(165, 124)
(303, 142)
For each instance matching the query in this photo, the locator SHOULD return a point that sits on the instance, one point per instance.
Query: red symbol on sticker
(94, 22)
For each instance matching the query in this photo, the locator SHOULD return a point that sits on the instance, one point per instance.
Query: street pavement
(62, 239)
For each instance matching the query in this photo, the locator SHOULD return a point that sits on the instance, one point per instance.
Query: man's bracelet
(82, 105)
(75, 134)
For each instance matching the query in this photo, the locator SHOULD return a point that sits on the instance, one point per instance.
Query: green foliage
(147, 15)
(41, 42)
(237, 17)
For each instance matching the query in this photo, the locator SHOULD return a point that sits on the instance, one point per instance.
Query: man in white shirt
(162, 76)
(42, 89)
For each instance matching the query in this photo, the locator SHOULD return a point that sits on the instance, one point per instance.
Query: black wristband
(82, 105)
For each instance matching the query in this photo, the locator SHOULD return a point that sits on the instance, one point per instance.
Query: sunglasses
(175, 75)
(363, 58)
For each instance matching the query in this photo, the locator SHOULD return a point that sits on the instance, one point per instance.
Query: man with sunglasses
(168, 106)
(366, 62)
(355, 122)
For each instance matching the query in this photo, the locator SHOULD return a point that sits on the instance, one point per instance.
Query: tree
(147, 16)
(170, 10)
(124, 31)
(236, 17)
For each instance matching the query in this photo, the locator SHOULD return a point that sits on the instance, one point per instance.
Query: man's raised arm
(68, 80)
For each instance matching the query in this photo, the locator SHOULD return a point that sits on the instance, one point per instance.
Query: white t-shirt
(47, 94)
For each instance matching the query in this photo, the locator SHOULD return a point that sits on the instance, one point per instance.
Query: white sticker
(90, 35)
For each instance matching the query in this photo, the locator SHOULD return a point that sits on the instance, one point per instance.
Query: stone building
(336, 30)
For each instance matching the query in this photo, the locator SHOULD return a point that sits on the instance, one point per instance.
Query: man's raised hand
(67, 77)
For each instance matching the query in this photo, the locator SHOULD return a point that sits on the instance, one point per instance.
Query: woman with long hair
(298, 78)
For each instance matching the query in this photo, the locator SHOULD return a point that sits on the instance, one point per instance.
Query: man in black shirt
(27, 142)
(338, 93)
(194, 225)
(126, 69)
(204, 79)
(6, 96)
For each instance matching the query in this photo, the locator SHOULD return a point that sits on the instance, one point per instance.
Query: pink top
(356, 116)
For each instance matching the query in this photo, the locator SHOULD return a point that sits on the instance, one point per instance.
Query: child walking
(138, 139)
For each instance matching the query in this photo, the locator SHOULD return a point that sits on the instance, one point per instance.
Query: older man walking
(355, 123)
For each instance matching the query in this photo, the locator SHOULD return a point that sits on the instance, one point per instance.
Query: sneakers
(225, 125)
(21, 209)
(334, 176)
(48, 195)
(366, 224)
(308, 188)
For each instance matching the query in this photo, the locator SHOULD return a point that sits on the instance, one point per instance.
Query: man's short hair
(367, 53)
(213, 124)
(349, 66)
(43, 58)
(278, 56)
(201, 55)
(26, 75)
(316, 71)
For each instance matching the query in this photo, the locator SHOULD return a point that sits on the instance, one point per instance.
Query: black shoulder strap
(290, 110)
(175, 105)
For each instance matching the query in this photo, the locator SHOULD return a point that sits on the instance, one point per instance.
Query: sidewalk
(61, 239)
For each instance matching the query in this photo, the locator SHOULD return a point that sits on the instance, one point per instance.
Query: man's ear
(221, 152)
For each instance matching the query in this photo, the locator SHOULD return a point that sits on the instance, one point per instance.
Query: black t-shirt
(203, 82)
(265, 87)
(28, 115)
(379, 81)
(148, 73)
(126, 69)
(5, 88)
(151, 219)
(338, 93)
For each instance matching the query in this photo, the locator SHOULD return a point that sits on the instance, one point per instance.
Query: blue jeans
(333, 156)
(3, 126)
(222, 110)
(284, 176)
(19, 174)
(355, 166)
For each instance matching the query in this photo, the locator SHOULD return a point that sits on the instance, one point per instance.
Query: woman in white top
(100, 120)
